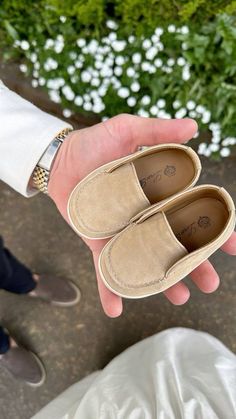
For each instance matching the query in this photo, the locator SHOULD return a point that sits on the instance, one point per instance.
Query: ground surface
(74, 342)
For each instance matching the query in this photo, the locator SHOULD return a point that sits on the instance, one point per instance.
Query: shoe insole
(164, 174)
(199, 222)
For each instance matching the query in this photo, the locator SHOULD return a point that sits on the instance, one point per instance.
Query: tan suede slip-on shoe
(103, 203)
(165, 243)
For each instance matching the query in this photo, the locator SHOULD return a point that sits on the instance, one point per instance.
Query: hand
(89, 148)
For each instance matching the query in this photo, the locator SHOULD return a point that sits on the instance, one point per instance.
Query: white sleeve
(25, 134)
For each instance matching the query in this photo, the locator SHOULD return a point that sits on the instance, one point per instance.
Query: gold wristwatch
(42, 171)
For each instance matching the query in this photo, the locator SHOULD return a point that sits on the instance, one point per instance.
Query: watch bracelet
(41, 175)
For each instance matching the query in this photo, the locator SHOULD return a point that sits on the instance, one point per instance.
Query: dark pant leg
(4, 341)
(14, 276)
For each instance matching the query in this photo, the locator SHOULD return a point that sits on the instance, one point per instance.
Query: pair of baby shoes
(162, 226)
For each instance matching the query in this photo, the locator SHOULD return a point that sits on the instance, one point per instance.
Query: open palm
(88, 148)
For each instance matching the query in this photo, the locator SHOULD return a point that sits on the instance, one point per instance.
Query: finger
(230, 246)
(150, 131)
(178, 294)
(205, 277)
(111, 303)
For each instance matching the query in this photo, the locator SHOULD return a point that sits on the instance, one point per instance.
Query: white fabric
(25, 134)
(177, 374)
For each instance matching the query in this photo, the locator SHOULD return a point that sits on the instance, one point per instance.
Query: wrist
(43, 168)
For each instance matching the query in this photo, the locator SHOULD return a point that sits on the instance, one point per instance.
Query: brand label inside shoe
(158, 175)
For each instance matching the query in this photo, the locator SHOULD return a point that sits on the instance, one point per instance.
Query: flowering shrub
(172, 71)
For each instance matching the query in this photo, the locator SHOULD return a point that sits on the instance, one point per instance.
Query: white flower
(229, 141)
(191, 105)
(34, 83)
(143, 113)
(207, 152)
(50, 64)
(23, 68)
(78, 101)
(102, 90)
(171, 28)
(99, 107)
(193, 114)
(123, 92)
(63, 19)
(112, 36)
(94, 73)
(58, 47)
(49, 43)
(206, 117)
(135, 86)
(136, 58)
(86, 97)
(131, 101)
(106, 71)
(42, 81)
(131, 39)
(71, 69)
(184, 46)
(87, 106)
(118, 71)
(37, 65)
(74, 79)
(85, 76)
(130, 72)
(109, 61)
(180, 113)
(36, 74)
(200, 109)
(98, 65)
(201, 148)
(67, 113)
(214, 147)
(33, 57)
(155, 38)
(216, 137)
(24, 45)
(167, 70)
(214, 126)
(154, 110)
(181, 61)
(170, 62)
(81, 42)
(68, 92)
(147, 44)
(93, 46)
(146, 100)
(85, 50)
(225, 152)
(184, 30)
(151, 53)
(54, 96)
(119, 46)
(111, 24)
(159, 31)
(163, 114)
(161, 103)
(186, 73)
(120, 60)
(176, 104)
(78, 64)
(158, 62)
(160, 46)
(145, 66)
(152, 69)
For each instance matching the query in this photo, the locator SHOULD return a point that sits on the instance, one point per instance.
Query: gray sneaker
(24, 365)
(57, 291)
